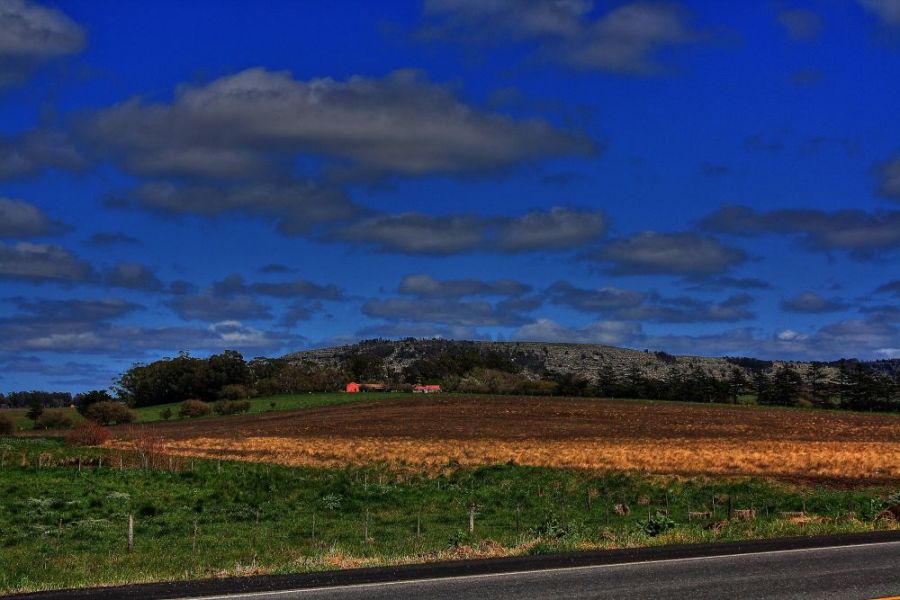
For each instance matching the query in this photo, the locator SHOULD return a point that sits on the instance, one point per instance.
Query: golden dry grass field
(653, 437)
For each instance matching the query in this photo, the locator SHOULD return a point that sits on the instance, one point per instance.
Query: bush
(35, 410)
(7, 427)
(109, 412)
(53, 419)
(89, 433)
(231, 407)
(234, 391)
(166, 414)
(193, 408)
(658, 524)
(84, 400)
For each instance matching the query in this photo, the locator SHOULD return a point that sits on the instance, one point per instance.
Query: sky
(698, 177)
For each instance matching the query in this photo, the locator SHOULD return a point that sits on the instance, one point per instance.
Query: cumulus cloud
(416, 233)
(891, 287)
(133, 276)
(131, 341)
(857, 232)
(810, 302)
(19, 219)
(688, 310)
(61, 373)
(233, 298)
(442, 311)
(298, 288)
(248, 123)
(426, 286)
(418, 330)
(651, 253)
(30, 35)
(295, 207)
(887, 11)
(725, 281)
(599, 300)
(41, 263)
(888, 174)
(209, 307)
(300, 311)
(82, 311)
(104, 239)
(610, 333)
(35, 150)
(629, 305)
(800, 24)
(627, 39)
(557, 228)
(275, 268)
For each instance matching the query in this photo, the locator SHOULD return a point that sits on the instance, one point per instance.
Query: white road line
(525, 572)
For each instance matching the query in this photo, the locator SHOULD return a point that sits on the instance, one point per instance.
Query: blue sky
(697, 177)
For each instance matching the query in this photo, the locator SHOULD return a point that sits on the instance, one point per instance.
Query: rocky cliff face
(588, 361)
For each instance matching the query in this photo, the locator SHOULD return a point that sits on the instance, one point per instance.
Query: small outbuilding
(352, 388)
(426, 389)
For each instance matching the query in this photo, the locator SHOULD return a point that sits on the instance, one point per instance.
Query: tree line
(469, 368)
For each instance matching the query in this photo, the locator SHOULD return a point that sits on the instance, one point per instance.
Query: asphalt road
(863, 565)
(866, 571)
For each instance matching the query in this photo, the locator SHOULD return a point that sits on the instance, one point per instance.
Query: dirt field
(660, 437)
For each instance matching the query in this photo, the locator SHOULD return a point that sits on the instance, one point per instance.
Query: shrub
(109, 412)
(231, 407)
(193, 408)
(53, 419)
(166, 413)
(35, 410)
(84, 400)
(658, 524)
(7, 427)
(89, 433)
(234, 391)
(550, 528)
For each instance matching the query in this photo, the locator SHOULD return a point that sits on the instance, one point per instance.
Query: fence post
(366, 530)
(518, 519)
(194, 541)
(419, 523)
(130, 534)
(314, 525)
(472, 517)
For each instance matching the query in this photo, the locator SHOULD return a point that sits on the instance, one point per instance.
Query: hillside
(587, 361)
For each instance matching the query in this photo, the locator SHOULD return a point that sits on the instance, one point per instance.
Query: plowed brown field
(655, 437)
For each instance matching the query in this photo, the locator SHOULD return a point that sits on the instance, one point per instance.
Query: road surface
(866, 571)
(860, 565)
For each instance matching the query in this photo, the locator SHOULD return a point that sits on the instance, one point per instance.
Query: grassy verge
(64, 525)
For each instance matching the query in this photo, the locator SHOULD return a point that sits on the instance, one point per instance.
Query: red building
(426, 389)
(352, 388)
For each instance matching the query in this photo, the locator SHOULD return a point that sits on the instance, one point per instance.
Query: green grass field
(149, 414)
(63, 526)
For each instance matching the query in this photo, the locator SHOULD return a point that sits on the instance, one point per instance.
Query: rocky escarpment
(588, 361)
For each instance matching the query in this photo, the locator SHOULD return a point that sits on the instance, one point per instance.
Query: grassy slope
(148, 414)
(61, 526)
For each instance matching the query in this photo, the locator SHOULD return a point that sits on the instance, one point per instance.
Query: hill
(591, 362)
